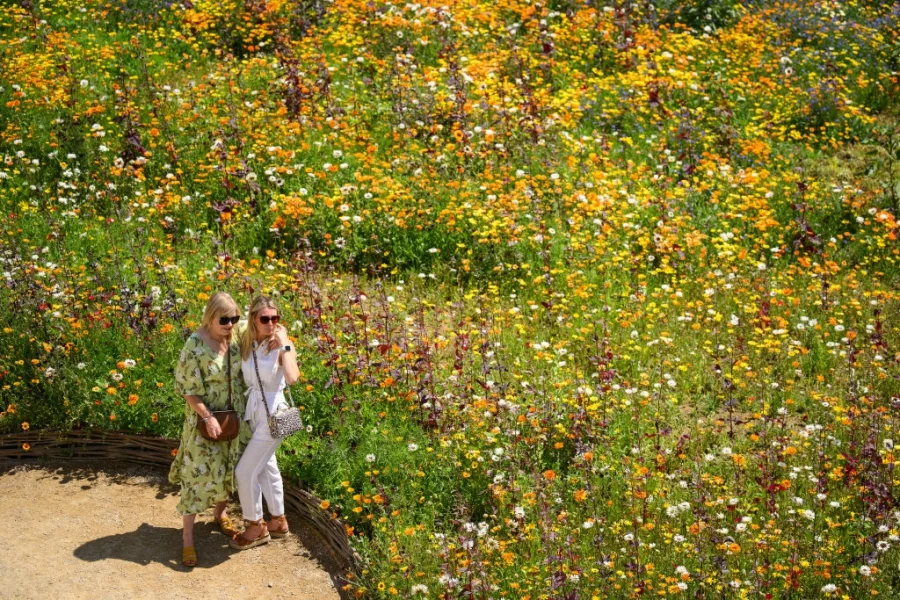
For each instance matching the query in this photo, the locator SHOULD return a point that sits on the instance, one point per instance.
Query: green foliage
(576, 288)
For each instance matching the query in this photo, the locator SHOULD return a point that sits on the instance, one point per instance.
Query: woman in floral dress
(205, 469)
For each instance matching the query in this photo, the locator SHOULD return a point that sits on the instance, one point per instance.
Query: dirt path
(78, 533)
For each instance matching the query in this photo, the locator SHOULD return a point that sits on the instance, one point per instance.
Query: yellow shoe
(226, 525)
(189, 556)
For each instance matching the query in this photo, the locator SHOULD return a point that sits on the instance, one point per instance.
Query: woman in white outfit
(266, 349)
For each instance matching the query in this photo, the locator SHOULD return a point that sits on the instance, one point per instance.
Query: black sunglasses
(223, 321)
(266, 318)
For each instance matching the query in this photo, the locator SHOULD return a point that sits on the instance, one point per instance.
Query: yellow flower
(25, 426)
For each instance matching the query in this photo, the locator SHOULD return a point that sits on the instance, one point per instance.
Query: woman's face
(223, 325)
(266, 321)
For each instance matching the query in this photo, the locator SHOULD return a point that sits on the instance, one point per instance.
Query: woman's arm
(204, 414)
(288, 358)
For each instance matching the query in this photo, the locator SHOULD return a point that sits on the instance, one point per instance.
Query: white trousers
(257, 472)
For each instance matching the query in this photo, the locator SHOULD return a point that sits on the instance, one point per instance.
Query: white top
(272, 375)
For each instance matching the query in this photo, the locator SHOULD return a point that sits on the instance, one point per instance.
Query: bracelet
(205, 419)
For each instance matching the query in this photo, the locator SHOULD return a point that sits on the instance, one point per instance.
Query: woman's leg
(219, 510)
(188, 553)
(273, 490)
(187, 532)
(248, 472)
(272, 485)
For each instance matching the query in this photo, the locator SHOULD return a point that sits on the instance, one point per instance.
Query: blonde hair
(249, 337)
(218, 305)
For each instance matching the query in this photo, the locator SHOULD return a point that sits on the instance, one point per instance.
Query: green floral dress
(205, 469)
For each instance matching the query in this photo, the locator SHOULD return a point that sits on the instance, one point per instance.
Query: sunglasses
(266, 318)
(223, 321)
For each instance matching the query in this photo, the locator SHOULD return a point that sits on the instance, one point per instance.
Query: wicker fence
(100, 446)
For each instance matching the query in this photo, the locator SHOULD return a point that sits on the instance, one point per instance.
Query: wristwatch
(287, 348)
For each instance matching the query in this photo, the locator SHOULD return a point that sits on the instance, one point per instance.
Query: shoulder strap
(228, 362)
(262, 389)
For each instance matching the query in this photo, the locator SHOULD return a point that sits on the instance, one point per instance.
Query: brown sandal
(282, 530)
(239, 542)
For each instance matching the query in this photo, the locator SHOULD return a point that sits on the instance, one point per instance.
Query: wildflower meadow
(593, 299)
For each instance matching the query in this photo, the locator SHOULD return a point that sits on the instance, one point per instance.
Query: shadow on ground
(150, 544)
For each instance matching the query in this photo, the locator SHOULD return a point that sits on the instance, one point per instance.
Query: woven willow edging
(81, 444)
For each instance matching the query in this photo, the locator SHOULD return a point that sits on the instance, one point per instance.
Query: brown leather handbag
(228, 419)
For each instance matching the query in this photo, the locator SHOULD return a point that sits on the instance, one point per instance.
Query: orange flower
(324, 504)
(132, 399)
(549, 475)
(25, 426)
(580, 495)
(26, 446)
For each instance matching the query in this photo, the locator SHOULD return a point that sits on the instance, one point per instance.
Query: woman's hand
(213, 428)
(279, 338)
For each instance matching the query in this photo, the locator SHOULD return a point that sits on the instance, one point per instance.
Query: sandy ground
(76, 532)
